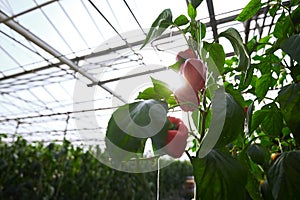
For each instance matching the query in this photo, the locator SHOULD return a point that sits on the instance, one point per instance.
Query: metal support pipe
(29, 10)
(46, 47)
(213, 22)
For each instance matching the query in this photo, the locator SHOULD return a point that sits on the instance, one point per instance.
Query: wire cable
(134, 16)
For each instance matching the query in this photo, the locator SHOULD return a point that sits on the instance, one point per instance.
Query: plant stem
(204, 114)
(180, 30)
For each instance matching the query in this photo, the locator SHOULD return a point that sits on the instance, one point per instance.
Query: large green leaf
(219, 177)
(226, 124)
(237, 43)
(263, 84)
(130, 126)
(284, 176)
(234, 121)
(162, 22)
(235, 93)
(292, 47)
(289, 100)
(250, 10)
(270, 118)
(216, 59)
(217, 121)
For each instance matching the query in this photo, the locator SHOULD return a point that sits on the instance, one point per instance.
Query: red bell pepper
(194, 71)
(187, 98)
(176, 140)
(182, 56)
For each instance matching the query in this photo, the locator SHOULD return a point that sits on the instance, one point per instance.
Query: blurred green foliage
(64, 171)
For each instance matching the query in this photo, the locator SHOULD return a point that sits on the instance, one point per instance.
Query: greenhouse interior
(128, 99)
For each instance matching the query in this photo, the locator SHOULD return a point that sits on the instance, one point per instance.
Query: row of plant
(63, 171)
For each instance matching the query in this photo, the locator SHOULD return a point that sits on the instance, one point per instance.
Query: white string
(157, 184)
(200, 42)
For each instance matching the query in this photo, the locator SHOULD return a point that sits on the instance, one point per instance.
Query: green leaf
(195, 3)
(252, 44)
(252, 185)
(172, 101)
(149, 93)
(237, 43)
(235, 93)
(162, 22)
(226, 124)
(176, 66)
(192, 11)
(295, 2)
(216, 122)
(284, 176)
(289, 100)
(283, 27)
(270, 118)
(130, 126)
(292, 47)
(250, 10)
(219, 177)
(181, 20)
(257, 119)
(268, 63)
(258, 154)
(161, 88)
(234, 122)
(246, 78)
(263, 85)
(273, 121)
(216, 59)
(263, 42)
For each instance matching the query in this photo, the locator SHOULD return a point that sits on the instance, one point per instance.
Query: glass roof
(50, 48)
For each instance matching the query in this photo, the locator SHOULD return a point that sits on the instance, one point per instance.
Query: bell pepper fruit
(194, 71)
(187, 98)
(176, 140)
(182, 56)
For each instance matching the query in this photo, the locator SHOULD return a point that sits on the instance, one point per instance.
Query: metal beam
(52, 51)
(212, 17)
(29, 10)
(121, 47)
(107, 51)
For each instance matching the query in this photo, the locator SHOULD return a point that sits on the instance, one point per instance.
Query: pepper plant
(245, 109)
